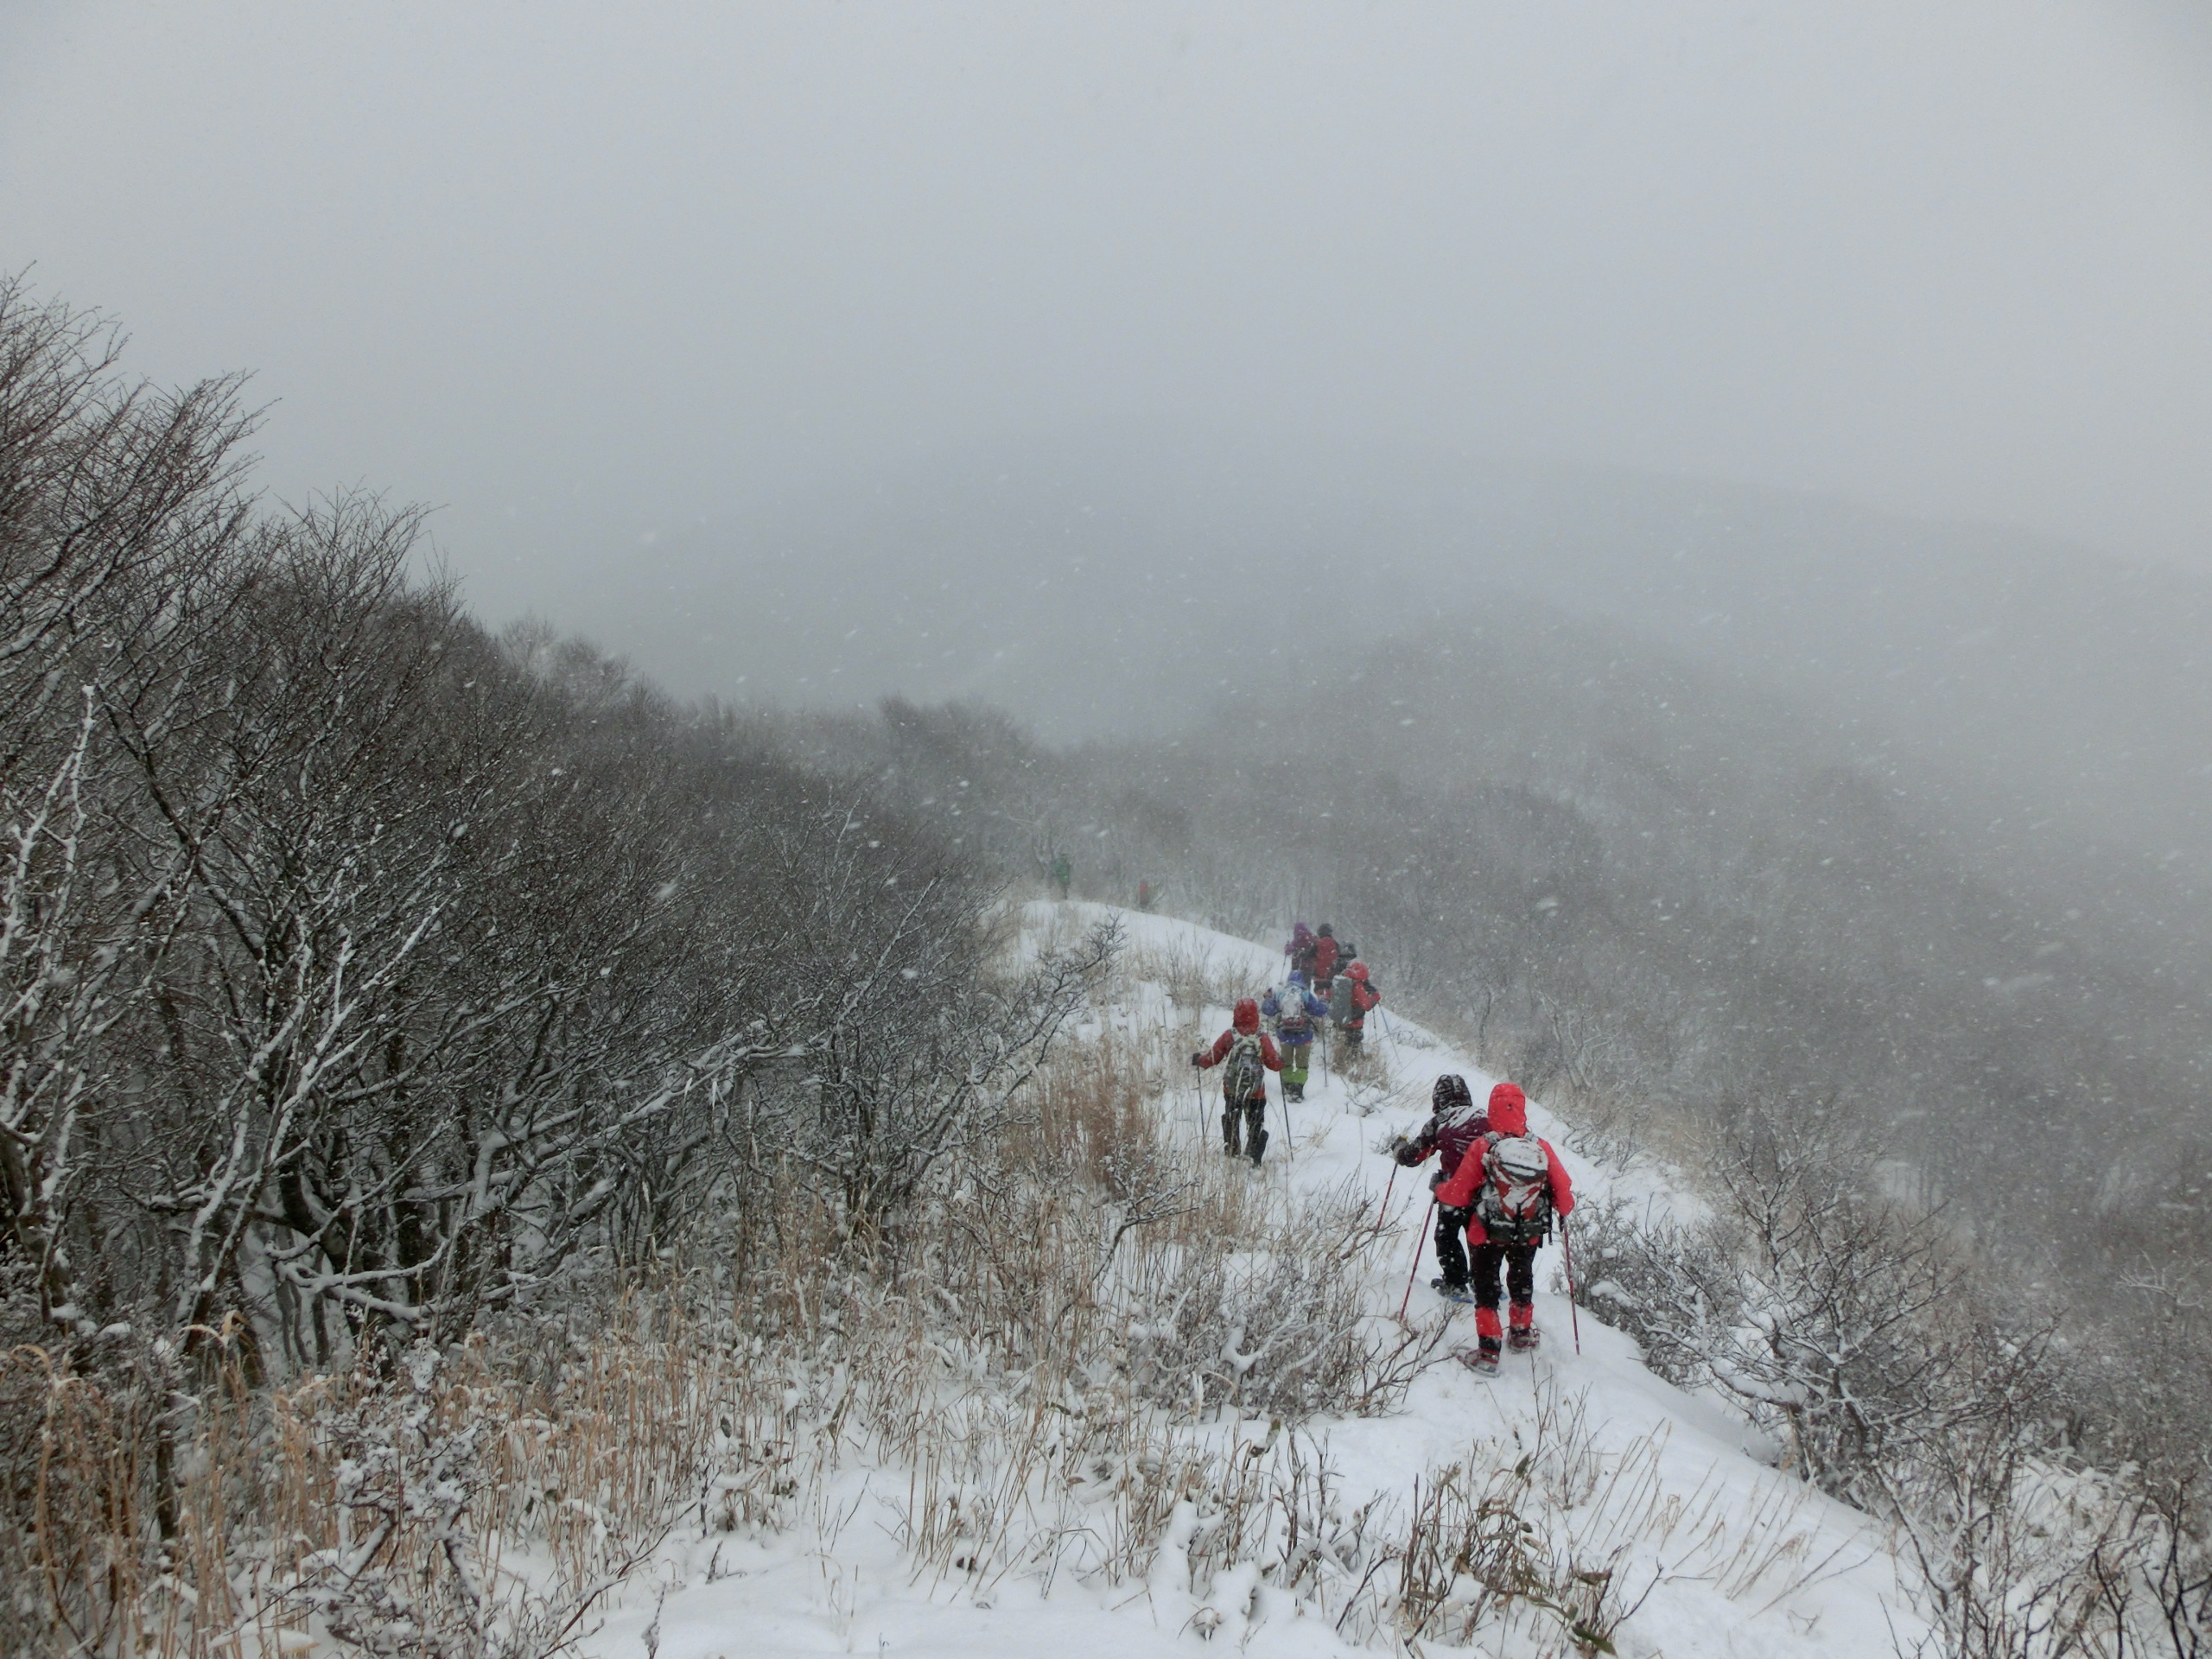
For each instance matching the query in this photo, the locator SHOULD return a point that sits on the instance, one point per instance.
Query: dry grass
(381, 1507)
(1546, 1545)
(1194, 976)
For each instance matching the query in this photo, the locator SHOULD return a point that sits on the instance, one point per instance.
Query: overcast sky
(576, 272)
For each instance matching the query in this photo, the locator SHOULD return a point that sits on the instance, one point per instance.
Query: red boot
(1483, 1360)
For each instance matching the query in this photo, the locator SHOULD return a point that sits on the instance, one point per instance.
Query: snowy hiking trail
(1753, 1564)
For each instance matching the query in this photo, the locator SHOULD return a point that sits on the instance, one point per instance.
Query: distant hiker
(1144, 895)
(1063, 872)
(1350, 1000)
(1246, 1055)
(1453, 1126)
(1291, 1010)
(1325, 958)
(1300, 950)
(1512, 1184)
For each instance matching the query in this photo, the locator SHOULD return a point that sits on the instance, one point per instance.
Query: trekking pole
(1390, 1186)
(1406, 1300)
(1567, 1244)
(1397, 1047)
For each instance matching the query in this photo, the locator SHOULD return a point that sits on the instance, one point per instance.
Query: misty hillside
(2034, 701)
(1615, 867)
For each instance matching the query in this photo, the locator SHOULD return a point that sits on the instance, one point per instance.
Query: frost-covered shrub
(1276, 1324)
(1847, 1323)
(1858, 1333)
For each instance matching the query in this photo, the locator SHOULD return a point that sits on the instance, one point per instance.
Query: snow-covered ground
(1740, 1560)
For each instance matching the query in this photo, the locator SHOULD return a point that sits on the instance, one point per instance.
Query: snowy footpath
(1717, 1553)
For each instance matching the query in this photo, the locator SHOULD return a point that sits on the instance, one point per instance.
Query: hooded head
(1450, 1099)
(1328, 932)
(1358, 971)
(1247, 1018)
(1301, 934)
(1509, 1110)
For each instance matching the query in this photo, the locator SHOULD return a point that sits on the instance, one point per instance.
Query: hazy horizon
(577, 279)
(1093, 364)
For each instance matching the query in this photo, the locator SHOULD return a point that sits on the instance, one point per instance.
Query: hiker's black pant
(1240, 1122)
(1450, 1251)
(1519, 1261)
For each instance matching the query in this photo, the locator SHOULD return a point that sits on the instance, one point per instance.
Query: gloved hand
(1199, 1058)
(1435, 1179)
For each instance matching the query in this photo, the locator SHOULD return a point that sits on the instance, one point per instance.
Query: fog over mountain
(2033, 697)
(579, 276)
(1129, 372)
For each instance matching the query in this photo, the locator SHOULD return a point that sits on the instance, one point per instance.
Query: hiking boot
(1523, 1339)
(1450, 1291)
(1482, 1361)
(1259, 1146)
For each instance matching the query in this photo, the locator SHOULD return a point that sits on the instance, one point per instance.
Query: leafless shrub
(1543, 1542)
(359, 971)
(1856, 1330)
(1847, 1322)
(1377, 1090)
(1192, 975)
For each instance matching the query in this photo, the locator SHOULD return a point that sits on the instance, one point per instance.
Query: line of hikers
(1499, 1189)
(1276, 1032)
(1326, 980)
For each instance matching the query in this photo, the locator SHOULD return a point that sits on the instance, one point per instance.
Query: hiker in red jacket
(1453, 1126)
(1325, 958)
(1512, 1184)
(1246, 1055)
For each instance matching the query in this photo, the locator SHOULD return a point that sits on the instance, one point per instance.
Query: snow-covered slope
(1722, 1555)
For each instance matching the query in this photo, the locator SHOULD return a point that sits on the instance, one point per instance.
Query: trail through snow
(838, 1583)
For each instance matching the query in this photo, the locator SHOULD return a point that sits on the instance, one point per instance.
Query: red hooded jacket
(1245, 1021)
(1509, 1115)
